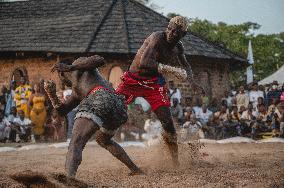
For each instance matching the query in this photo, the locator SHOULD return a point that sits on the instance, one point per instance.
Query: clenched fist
(50, 87)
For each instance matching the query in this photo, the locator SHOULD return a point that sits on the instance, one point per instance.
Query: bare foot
(137, 172)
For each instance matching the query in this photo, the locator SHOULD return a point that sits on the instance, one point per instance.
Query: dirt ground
(219, 165)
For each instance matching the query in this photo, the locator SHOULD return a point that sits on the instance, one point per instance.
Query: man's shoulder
(156, 36)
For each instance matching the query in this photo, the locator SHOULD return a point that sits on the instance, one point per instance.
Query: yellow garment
(22, 95)
(38, 114)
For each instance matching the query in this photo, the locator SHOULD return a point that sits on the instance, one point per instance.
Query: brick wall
(213, 76)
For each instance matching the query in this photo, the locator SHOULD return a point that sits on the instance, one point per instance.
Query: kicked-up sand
(216, 165)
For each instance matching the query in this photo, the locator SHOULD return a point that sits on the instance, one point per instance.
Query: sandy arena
(220, 165)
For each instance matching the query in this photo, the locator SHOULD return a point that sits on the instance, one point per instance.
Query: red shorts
(133, 86)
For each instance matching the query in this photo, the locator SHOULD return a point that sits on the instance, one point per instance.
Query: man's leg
(169, 134)
(82, 132)
(104, 140)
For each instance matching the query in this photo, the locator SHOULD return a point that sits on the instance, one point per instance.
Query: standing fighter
(144, 78)
(100, 110)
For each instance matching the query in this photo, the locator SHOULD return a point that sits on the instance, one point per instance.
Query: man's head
(175, 101)
(242, 89)
(21, 114)
(176, 29)
(13, 110)
(254, 86)
(274, 85)
(23, 80)
(223, 108)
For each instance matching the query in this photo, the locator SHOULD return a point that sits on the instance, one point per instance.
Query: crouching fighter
(144, 78)
(100, 110)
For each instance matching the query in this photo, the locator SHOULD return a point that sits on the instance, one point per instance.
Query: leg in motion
(82, 132)
(104, 140)
(169, 134)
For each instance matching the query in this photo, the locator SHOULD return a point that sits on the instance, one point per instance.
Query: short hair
(180, 21)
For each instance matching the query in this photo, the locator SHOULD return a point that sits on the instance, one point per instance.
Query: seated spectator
(177, 112)
(242, 109)
(273, 107)
(213, 106)
(246, 118)
(235, 118)
(24, 126)
(242, 98)
(4, 128)
(222, 118)
(204, 115)
(282, 126)
(223, 114)
(191, 128)
(260, 125)
(55, 129)
(11, 118)
(153, 128)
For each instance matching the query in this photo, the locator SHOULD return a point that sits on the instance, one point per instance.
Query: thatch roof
(101, 26)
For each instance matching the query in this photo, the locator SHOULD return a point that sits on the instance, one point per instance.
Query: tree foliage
(268, 49)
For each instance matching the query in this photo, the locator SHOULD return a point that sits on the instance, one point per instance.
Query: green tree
(268, 49)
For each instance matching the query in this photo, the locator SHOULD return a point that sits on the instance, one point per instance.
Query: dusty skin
(218, 165)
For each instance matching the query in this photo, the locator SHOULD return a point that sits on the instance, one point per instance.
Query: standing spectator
(204, 115)
(254, 94)
(38, 111)
(24, 126)
(197, 103)
(22, 95)
(10, 100)
(204, 98)
(242, 98)
(228, 98)
(273, 93)
(174, 92)
(4, 128)
(177, 111)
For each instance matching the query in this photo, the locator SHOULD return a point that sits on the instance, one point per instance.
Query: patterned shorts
(105, 108)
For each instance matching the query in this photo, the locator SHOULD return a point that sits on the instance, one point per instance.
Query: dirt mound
(30, 179)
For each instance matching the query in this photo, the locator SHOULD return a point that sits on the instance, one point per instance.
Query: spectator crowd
(255, 111)
(26, 114)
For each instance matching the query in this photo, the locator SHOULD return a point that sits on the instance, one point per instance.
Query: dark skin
(82, 80)
(166, 48)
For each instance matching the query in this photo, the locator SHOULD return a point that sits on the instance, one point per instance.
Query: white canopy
(276, 76)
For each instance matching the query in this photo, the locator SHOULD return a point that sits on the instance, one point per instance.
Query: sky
(268, 13)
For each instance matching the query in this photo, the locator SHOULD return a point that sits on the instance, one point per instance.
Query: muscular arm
(62, 108)
(148, 58)
(183, 61)
(88, 63)
(82, 63)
